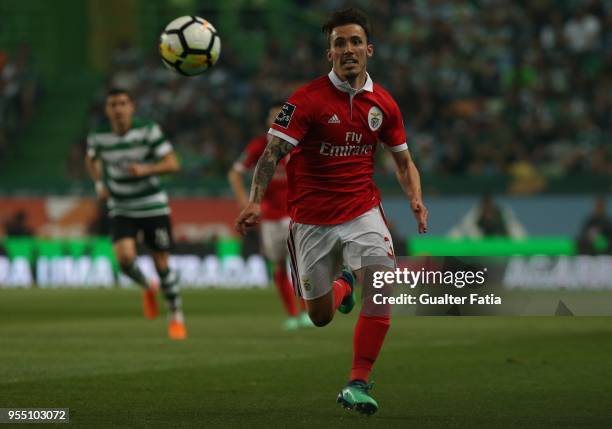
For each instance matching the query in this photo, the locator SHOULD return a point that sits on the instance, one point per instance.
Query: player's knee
(161, 262)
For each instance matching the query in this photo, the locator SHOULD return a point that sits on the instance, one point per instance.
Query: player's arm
(167, 164)
(235, 177)
(94, 169)
(276, 150)
(409, 179)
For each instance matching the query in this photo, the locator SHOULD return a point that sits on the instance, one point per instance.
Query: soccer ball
(189, 45)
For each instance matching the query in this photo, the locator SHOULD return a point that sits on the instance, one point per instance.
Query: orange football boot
(177, 330)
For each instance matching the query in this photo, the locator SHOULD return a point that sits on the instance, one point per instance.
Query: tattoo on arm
(275, 151)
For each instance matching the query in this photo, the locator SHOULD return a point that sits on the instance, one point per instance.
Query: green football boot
(304, 320)
(348, 302)
(291, 324)
(355, 396)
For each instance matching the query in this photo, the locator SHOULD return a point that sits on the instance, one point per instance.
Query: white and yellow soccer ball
(189, 45)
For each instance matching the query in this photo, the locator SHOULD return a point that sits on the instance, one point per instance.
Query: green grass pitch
(91, 351)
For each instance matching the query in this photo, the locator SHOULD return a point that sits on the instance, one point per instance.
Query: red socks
(341, 289)
(285, 290)
(369, 336)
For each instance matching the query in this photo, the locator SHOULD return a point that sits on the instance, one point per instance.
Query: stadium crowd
(19, 92)
(487, 87)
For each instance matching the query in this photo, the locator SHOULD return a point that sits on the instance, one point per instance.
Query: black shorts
(156, 231)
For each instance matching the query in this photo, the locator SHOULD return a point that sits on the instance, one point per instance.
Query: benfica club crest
(375, 118)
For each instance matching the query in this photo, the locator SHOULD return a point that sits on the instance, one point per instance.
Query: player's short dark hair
(346, 16)
(118, 91)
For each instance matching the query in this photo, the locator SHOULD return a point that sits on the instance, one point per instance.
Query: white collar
(344, 86)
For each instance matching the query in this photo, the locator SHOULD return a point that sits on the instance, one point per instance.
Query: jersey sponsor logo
(329, 149)
(375, 118)
(284, 116)
(334, 119)
(352, 137)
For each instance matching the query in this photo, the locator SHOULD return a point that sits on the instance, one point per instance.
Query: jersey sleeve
(393, 133)
(92, 147)
(249, 157)
(294, 119)
(159, 144)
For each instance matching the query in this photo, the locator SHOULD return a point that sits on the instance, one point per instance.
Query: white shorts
(274, 234)
(319, 252)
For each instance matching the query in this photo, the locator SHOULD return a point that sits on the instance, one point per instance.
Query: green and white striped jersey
(143, 143)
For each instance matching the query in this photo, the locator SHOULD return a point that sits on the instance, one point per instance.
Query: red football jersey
(274, 203)
(336, 130)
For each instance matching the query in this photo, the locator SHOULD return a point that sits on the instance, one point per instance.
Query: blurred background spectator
(489, 219)
(17, 226)
(19, 93)
(596, 232)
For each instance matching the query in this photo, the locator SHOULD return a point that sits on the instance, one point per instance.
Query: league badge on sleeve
(375, 118)
(284, 116)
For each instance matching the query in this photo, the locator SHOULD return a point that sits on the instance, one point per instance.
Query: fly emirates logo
(352, 146)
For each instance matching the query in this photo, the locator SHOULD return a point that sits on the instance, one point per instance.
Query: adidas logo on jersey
(334, 119)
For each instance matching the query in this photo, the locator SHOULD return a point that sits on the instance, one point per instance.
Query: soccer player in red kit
(274, 221)
(331, 127)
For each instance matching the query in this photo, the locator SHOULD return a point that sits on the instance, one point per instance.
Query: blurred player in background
(331, 127)
(274, 221)
(124, 158)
